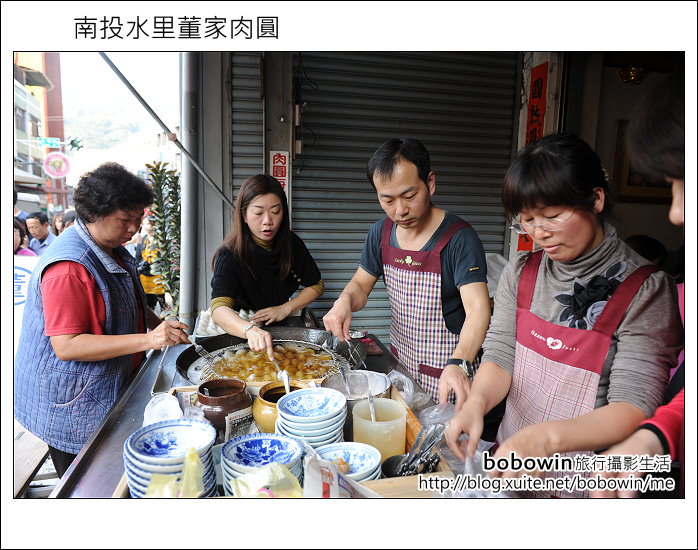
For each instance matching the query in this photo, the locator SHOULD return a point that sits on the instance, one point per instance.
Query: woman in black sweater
(260, 265)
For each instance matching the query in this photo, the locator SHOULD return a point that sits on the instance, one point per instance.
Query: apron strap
(527, 281)
(385, 232)
(440, 245)
(619, 301)
(443, 241)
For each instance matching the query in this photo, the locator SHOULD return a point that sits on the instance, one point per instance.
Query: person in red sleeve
(84, 327)
(656, 146)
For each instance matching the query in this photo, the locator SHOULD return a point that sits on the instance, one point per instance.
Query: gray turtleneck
(644, 347)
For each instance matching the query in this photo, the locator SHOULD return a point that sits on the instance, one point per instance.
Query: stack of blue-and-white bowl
(315, 414)
(364, 460)
(244, 453)
(160, 448)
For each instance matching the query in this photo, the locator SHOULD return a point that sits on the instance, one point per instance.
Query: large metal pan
(190, 365)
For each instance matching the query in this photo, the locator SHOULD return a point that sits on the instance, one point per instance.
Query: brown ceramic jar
(264, 410)
(225, 396)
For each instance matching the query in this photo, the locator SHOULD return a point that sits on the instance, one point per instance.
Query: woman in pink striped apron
(584, 331)
(434, 268)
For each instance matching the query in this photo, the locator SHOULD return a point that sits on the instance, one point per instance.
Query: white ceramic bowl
(280, 428)
(337, 439)
(166, 442)
(363, 459)
(309, 428)
(312, 405)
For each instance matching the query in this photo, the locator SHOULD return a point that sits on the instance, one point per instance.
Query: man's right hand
(338, 319)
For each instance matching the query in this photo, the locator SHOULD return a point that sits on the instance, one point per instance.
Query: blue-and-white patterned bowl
(254, 450)
(236, 470)
(308, 429)
(166, 442)
(138, 491)
(161, 468)
(230, 473)
(141, 478)
(144, 477)
(362, 459)
(312, 405)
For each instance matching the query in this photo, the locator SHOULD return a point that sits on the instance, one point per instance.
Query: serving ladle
(371, 406)
(282, 374)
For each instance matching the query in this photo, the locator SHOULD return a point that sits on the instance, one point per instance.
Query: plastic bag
(414, 399)
(161, 486)
(190, 485)
(438, 414)
(271, 481)
(470, 470)
(195, 413)
(162, 406)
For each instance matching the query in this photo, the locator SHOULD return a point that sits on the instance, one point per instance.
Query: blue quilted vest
(63, 402)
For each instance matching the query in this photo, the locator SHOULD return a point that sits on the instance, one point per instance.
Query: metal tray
(190, 365)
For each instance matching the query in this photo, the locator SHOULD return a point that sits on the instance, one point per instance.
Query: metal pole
(165, 129)
(191, 67)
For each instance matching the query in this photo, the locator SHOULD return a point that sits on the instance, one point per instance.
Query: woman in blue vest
(84, 327)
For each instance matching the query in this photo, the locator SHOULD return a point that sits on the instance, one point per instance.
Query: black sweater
(257, 285)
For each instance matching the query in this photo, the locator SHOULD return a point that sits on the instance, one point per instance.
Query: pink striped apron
(557, 369)
(419, 337)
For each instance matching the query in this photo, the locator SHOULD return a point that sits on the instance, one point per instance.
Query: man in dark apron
(435, 272)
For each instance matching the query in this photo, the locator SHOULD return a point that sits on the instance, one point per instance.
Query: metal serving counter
(99, 466)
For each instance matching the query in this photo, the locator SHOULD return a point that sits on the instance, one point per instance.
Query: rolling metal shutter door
(459, 104)
(231, 106)
(248, 118)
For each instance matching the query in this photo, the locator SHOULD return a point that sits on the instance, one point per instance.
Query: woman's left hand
(272, 314)
(531, 441)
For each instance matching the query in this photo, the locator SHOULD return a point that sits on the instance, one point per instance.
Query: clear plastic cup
(387, 434)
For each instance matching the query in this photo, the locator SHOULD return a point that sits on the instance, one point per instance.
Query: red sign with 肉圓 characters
(280, 167)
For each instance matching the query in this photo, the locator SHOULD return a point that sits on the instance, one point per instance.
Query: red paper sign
(280, 165)
(537, 103)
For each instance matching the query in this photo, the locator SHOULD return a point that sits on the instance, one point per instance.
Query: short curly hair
(108, 188)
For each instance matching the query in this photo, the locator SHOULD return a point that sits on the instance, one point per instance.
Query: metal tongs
(418, 455)
(199, 349)
(355, 335)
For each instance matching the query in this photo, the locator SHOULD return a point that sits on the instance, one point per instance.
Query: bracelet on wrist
(248, 327)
